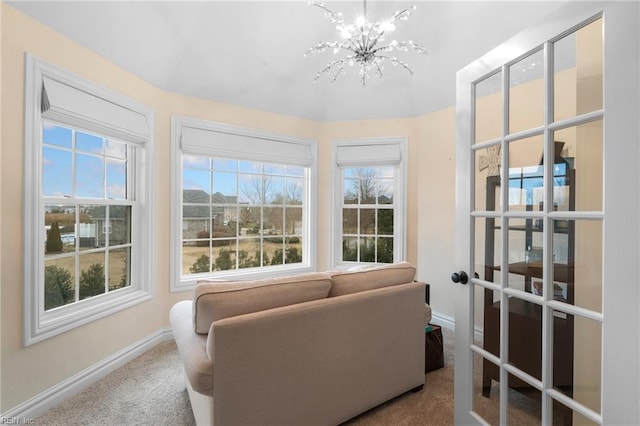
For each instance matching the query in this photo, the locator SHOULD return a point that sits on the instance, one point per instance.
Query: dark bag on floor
(434, 352)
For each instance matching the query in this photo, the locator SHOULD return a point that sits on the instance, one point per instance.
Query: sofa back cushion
(354, 281)
(214, 300)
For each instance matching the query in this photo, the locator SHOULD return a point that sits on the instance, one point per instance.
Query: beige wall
(26, 372)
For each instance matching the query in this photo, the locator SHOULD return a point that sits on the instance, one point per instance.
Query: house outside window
(369, 198)
(88, 188)
(246, 203)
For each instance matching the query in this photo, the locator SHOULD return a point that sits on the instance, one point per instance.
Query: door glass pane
(579, 189)
(525, 253)
(487, 318)
(488, 108)
(487, 178)
(577, 361)
(525, 338)
(578, 65)
(577, 274)
(524, 403)
(486, 398)
(488, 253)
(525, 174)
(526, 93)
(563, 415)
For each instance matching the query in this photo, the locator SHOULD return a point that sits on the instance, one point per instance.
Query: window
(369, 198)
(88, 225)
(245, 206)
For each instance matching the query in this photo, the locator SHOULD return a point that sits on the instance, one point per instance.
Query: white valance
(368, 155)
(70, 105)
(227, 143)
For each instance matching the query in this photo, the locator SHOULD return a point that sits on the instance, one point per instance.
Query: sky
(100, 165)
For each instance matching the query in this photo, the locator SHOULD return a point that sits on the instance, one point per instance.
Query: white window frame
(369, 152)
(178, 126)
(38, 323)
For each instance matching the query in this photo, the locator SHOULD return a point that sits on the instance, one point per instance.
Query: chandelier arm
(406, 12)
(330, 14)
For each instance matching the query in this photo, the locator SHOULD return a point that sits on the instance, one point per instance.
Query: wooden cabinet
(525, 317)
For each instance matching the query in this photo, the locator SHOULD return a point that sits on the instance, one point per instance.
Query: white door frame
(621, 199)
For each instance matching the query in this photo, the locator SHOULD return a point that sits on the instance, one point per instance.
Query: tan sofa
(315, 348)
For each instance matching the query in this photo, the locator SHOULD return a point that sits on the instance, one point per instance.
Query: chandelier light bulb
(362, 43)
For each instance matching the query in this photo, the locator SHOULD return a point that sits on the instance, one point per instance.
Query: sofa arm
(192, 348)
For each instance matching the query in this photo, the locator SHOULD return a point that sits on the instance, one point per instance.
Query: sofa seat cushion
(198, 367)
(369, 278)
(213, 301)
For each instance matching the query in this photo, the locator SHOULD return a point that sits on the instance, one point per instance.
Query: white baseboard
(51, 397)
(443, 320)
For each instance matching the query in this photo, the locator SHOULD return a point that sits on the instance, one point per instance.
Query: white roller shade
(75, 107)
(368, 155)
(244, 147)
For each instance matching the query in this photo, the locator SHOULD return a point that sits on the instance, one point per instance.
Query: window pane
(116, 180)
(89, 143)
(349, 221)
(293, 252)
(196, 221)
(92, 230)
(294, 191)
(116, 150)
(60, 226)
(367, 249)
(272, 251)
(56, 135)
(57, 172)
(273, 169)
(273, 221)
(293, 221)
(385, 250)
(274, 189)
(350, 249)
(294, 171)
(251, 189)
(385, 191)
(250, 220)
(89, 176)
(196, 186)
(385, 222)
(59, 282)
(92, 274)
(367, 221)
(196, 259)
(225, 188)
(350, 195)
(225, 165)
(249, 253)
(224, 255)
(119, 225)
(367, 183)
(119, 268)
(195, 162)
(250, 166)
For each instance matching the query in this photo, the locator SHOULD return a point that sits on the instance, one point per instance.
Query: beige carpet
(150, 391)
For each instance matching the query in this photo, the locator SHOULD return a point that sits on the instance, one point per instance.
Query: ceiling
(251, 53)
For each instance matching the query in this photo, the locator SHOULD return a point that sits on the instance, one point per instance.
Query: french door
(547, 227)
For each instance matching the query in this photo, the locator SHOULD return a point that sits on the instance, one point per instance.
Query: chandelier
(363, 43)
